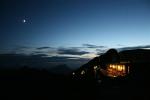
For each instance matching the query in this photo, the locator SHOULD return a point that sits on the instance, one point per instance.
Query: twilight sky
(72, 29)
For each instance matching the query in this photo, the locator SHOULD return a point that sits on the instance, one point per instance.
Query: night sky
(70, 31)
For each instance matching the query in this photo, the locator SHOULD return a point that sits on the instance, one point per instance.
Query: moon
(24, 21)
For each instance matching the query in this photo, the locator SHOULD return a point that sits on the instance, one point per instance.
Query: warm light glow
(119, 67)
(113, 66)
(115, 70)
(73, 73)
(95, 67)
(124, 69)
(82, 72)
(110, 66)
(128, 69)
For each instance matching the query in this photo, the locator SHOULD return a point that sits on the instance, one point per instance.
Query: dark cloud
(58, 58)
(71, 51)
(42, 48)
(39, 61)
(19, 49)
(22, 47)
(134, 47)
(17, 60)
(39, 55)
(93, 46)
(37, 52)
(72, 62)
(100, 51)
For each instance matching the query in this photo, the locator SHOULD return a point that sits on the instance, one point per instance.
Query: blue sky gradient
(70, 24)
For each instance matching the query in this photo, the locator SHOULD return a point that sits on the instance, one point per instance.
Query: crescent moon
(24, 21)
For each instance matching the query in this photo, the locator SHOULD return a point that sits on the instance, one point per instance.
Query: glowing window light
(119, 67)
(123, 68)
(128, 69)
(115, 70)
(110, 66)
(113, 66)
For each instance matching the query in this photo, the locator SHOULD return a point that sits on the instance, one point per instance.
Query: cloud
(18, 60)
(37, 52)
(38, 55)
(20, 48)
(39, 61)
(23, 47)
(43, 48)
(120, 45)
(71, 51)
(101, 51)
(93, 46)
(134, 47)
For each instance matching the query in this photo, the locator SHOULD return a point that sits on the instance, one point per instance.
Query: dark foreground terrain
(34, 84)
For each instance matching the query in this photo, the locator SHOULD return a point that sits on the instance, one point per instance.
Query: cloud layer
(71, 51)
(135, 47)
(49, 56)
(38, 61)
(93, 46)
(43, 48)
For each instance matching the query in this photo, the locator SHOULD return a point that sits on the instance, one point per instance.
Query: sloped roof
(138, 55)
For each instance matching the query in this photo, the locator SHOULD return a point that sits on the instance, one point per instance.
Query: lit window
(110, 66)
(119, 68)
(114, 70)
(113, 66)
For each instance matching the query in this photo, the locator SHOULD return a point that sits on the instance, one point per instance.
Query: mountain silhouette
(60, 69)
(137, 55)
(138, 61)
(55, 80)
